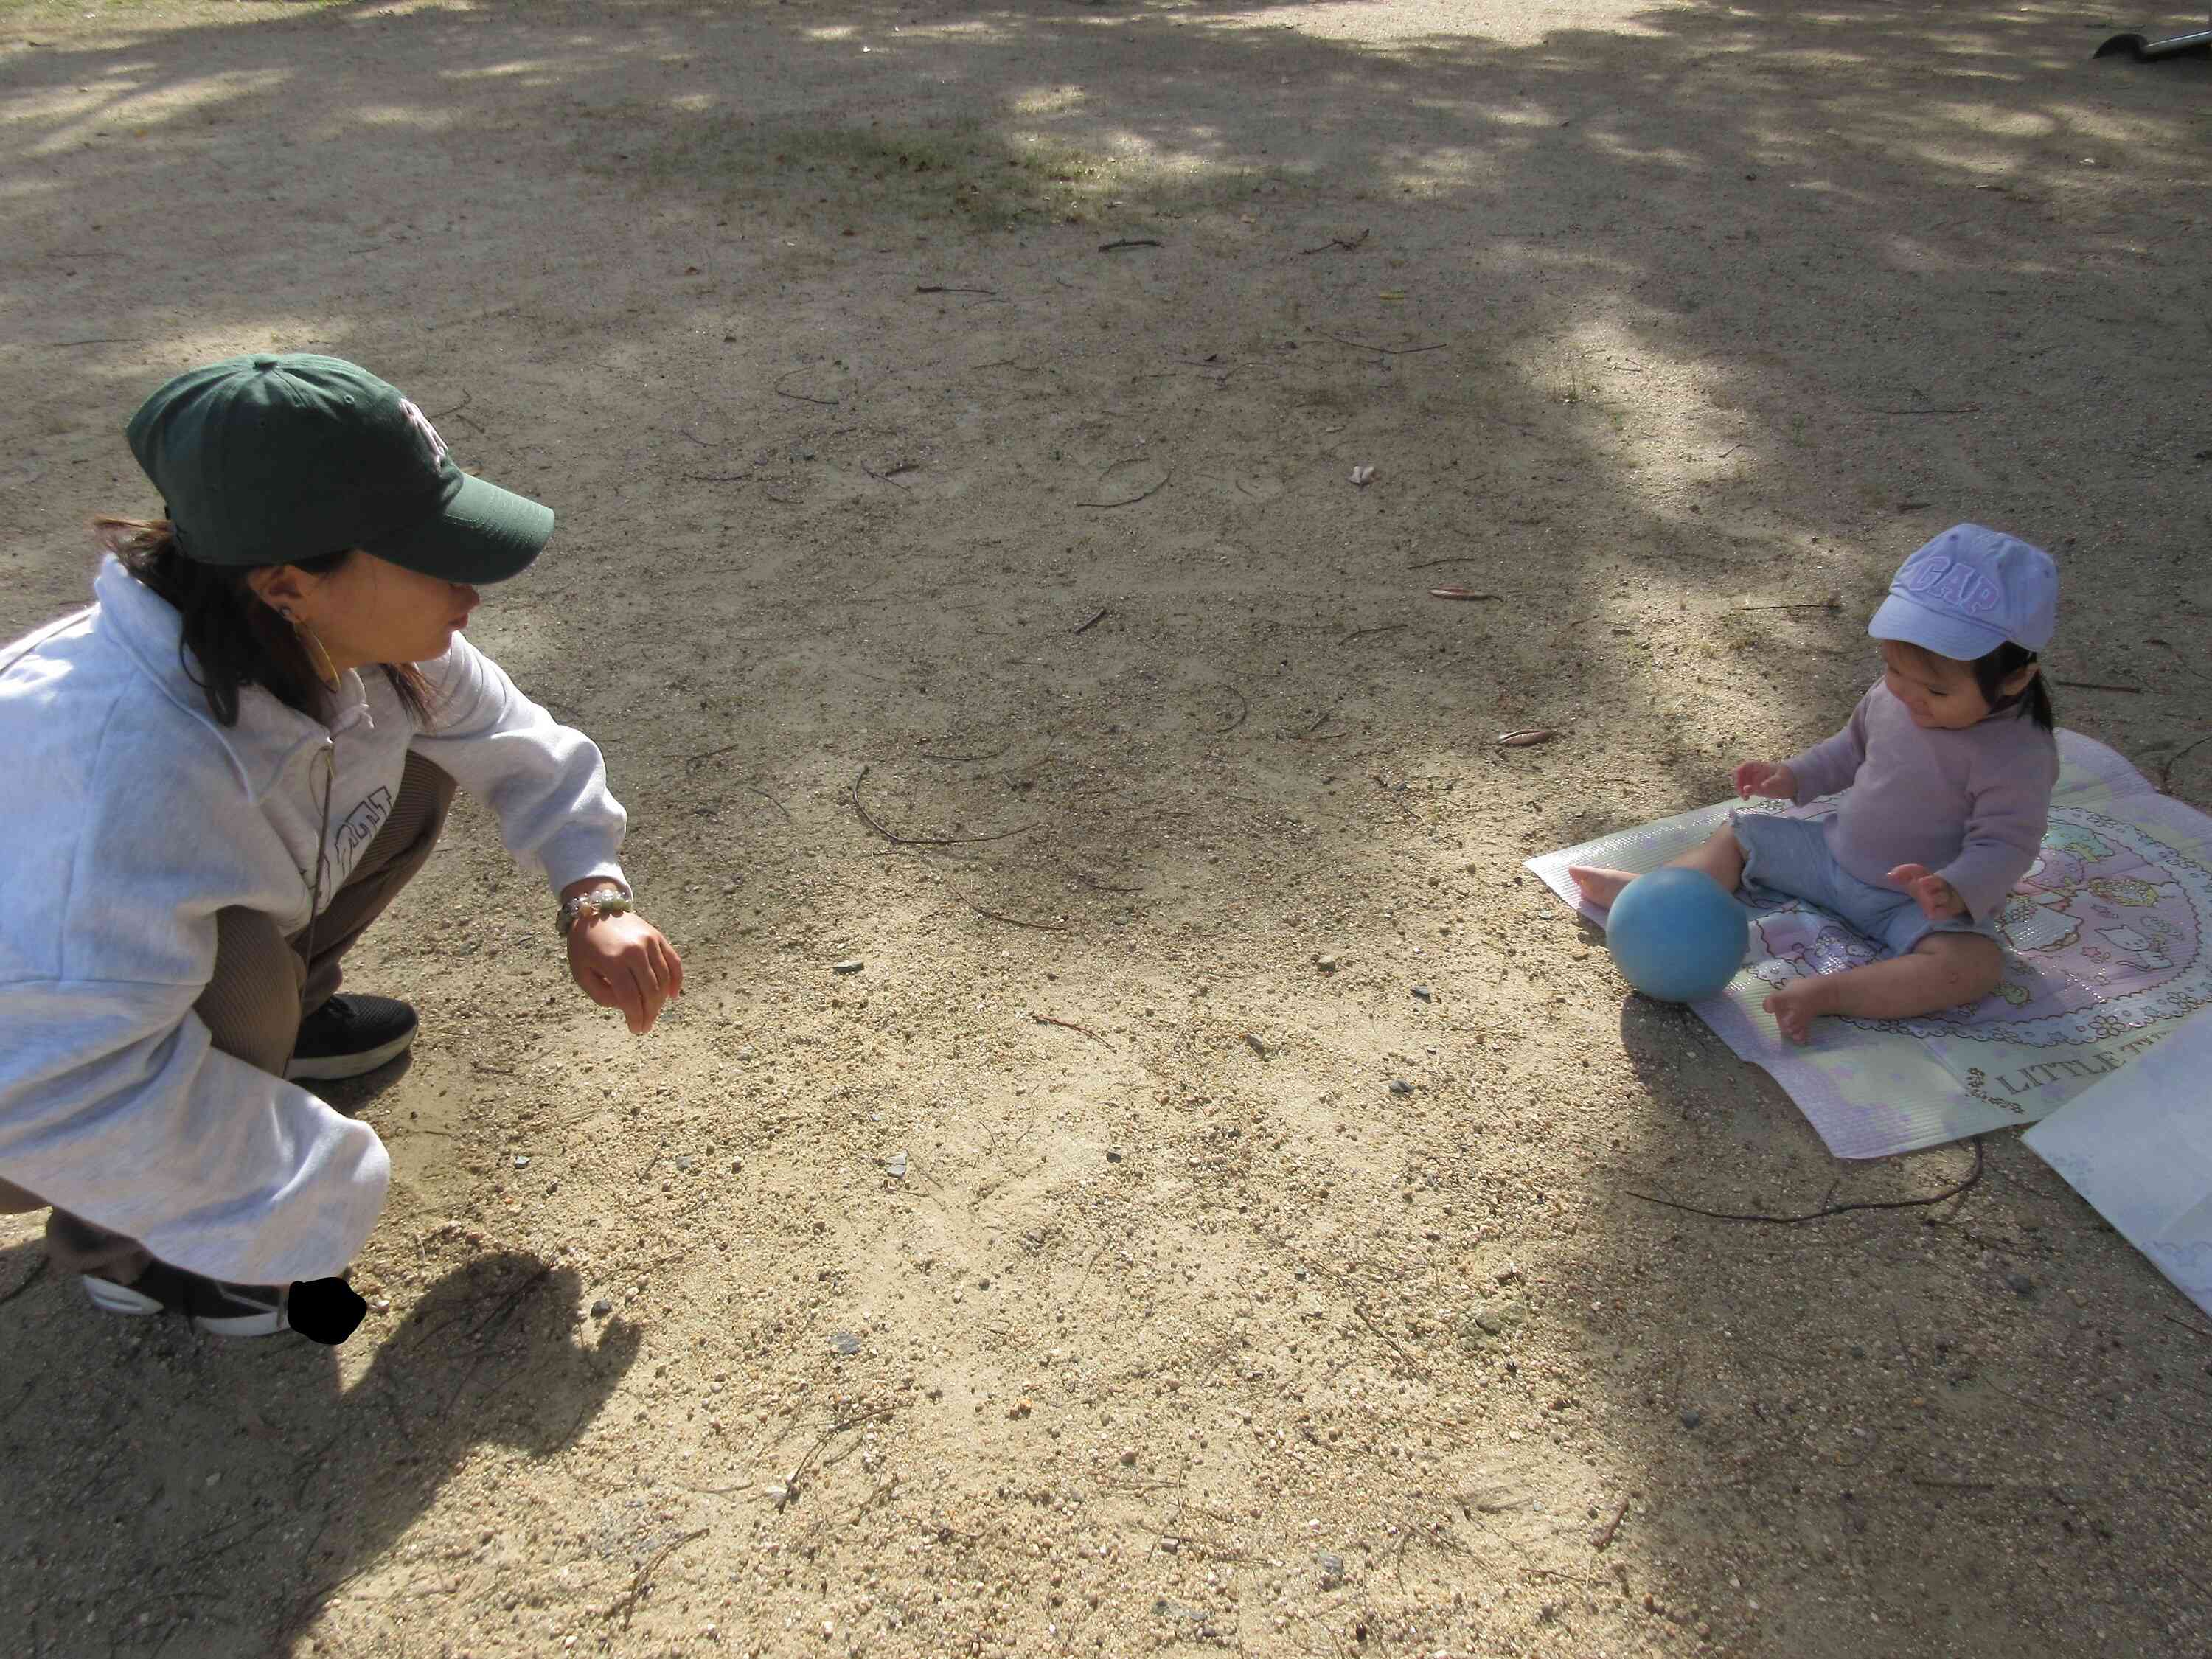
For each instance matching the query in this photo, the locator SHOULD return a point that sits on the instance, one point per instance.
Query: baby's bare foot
(1793, 1007)
(1600, 885)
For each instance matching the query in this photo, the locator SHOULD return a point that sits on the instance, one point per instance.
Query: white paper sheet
(2138, 1148)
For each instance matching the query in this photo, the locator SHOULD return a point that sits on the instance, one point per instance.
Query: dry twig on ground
(1165, 477)
(1346, 244)
(2165, 767)
(1410, 1363)
(874, 824)
(626, 1603)
(1069, 1024)
(1972, 1176)
(1363, 345)
(1012, 922)
(838, 1426)
(1603, 1535)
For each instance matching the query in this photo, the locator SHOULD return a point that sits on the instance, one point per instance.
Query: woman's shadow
(169, 1490)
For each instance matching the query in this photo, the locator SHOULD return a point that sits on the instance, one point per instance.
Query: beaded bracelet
(607, 901)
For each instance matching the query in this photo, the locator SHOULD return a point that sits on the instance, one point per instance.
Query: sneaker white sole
(111, 1297)
(331, 1068)
(262, 1322)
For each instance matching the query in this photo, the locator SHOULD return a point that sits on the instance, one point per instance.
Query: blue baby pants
(1792, 856)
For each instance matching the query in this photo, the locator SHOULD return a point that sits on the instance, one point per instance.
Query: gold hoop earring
(317, 658)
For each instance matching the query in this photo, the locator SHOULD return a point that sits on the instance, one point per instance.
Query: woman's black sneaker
(348, 1035)
(220, 1308)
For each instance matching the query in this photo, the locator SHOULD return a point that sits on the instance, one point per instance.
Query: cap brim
(1954, 637)
(482, 534)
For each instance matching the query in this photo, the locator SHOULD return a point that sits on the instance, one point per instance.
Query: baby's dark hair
(1991, 672)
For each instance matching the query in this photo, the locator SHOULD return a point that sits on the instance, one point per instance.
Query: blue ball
(1677, 935)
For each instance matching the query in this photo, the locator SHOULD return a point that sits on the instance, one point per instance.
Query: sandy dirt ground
(1140, 1168)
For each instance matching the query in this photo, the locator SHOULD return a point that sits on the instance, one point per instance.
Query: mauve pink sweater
(1969, 804)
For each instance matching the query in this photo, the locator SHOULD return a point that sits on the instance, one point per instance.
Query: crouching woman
(218, 776)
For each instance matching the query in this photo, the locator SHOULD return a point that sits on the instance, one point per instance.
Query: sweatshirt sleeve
(2004, 832)
(115, 1106)
(546, 782)
(1832, 764)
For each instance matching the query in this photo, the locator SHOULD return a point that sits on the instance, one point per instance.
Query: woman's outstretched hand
(1765, 778)
(624, 963)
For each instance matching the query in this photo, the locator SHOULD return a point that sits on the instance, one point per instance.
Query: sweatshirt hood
(268, 735)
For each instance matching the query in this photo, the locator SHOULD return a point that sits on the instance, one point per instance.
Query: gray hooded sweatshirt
(131, 819)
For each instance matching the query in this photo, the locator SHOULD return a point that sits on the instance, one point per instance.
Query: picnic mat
(2138, 1146)
(2105, 950)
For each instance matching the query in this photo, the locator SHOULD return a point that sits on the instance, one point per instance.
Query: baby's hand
(1939, 900)
(1765, 778)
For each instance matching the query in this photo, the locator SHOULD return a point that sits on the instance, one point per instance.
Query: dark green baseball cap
(274, 458)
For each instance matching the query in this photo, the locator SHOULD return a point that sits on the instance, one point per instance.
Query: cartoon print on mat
(2071, 849)
(2105, 936)
(1803, 941)
(2037, 921)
